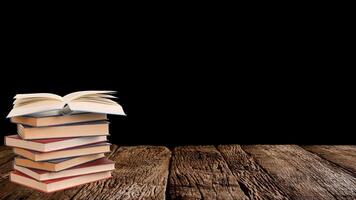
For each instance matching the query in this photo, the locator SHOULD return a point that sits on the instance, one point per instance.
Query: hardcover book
(99, 165)
(57, 164)
(101, 147)
(71, 130)
(46, 145)
(56, 184)
(38, 121)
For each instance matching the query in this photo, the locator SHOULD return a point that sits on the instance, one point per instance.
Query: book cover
(101, 147)
(56, 184)
(46, 145)
(95, 166)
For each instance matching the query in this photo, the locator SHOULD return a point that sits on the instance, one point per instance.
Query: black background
(178, 105)
(198, 82)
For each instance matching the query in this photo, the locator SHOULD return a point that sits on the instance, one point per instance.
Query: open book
(46, 104)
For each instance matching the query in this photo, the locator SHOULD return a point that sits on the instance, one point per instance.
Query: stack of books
(61, 141)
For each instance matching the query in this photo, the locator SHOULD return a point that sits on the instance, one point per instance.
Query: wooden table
(212, 172)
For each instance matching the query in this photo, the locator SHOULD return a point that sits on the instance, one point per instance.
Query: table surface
(211, 172)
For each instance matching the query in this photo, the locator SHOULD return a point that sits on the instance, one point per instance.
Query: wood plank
(303, 175)
(342, 155)
(257, 183)
(200, 172)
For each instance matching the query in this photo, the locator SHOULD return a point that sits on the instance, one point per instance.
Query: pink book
(56, 184)
(46, 145)
(96, 148)
(99, 165)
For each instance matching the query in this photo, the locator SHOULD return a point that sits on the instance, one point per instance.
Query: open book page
(96, 108)
(38, 95)
(52, 113)
(75, 95)
(36, 107)
(95, 100)
(22, 102)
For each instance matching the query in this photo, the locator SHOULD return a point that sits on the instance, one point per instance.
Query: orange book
(99, 165)
(46, 145)
(70, 130)
(58, 120)
(101, 147)
(57, 164)
(56, 184)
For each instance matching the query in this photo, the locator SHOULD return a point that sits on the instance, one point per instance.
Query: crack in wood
(253, 180)
(199, 172)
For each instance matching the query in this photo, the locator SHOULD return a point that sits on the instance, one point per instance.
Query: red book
(95, 166)
(46, 145)
(56, 184)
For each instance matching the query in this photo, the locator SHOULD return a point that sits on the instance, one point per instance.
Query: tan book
(46, 145)
(56, 184)
(99, 165)
(71, 130)
(101, 147)
(57, 164)
(83, 101)
(58, 120)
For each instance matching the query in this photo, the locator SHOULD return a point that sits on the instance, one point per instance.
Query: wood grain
(303, 175)
(342, 155)
(257, 183)
(206, 172)
(200, 172)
